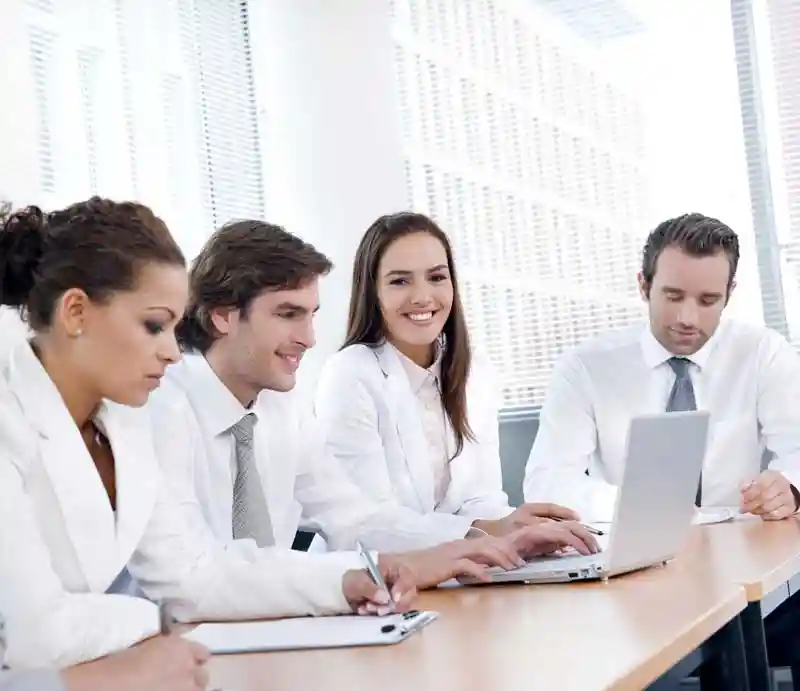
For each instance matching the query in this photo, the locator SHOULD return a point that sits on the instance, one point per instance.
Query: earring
(78, 333)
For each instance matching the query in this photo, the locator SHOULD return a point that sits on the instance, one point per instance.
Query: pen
(374, 573)
(593, 531)
(166, 624)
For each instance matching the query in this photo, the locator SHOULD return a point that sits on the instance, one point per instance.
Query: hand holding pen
(381, 588)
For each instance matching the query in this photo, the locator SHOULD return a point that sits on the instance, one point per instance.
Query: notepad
(715, 514)
(308, 633)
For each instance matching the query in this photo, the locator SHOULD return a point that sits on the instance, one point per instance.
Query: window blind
(548, 137)
(150, 100)
(216, 35)
(88, 65)
(41, 59)
(775, 26)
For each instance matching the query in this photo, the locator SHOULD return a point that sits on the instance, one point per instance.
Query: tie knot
(680, 365)
(243, 430)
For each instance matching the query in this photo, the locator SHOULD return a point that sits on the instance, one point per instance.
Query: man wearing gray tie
(240, 450)
(250, 515)
(681, 398)
(684, 357)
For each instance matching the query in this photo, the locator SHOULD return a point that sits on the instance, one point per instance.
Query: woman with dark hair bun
(102, 285)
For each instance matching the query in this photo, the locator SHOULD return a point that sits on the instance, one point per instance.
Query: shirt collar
(656, 354)
(420, 377)
(217, 408)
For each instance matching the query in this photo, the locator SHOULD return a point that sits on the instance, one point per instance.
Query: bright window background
(142, 99)
(779, 31)
(548, 137)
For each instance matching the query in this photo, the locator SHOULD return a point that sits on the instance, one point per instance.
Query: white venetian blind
(775, 26)
(149, 100)
(548, 137)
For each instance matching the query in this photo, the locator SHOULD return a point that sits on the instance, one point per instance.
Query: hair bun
(21, 247)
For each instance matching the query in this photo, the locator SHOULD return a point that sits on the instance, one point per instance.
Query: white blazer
(12, 330)
(31, 680)
(370, 420)
(303, 483)
(61, 545)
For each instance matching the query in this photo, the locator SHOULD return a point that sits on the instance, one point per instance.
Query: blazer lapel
(82, 499)
(404, 410)
(137, 474)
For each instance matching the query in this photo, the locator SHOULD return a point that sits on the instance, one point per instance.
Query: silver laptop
(654, 509)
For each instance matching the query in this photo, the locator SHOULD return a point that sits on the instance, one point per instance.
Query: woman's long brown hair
(365, 322)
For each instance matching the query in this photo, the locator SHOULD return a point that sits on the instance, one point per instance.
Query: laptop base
(586, 568)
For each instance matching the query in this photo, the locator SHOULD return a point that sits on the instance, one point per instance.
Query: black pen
(593, 531)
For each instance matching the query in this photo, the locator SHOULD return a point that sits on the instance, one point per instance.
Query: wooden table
(762, 556)
(619, 635)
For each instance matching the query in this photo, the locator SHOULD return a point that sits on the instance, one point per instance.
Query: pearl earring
(79, 332)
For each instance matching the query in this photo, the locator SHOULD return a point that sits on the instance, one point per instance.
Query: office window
(150, 100)
(89, 65)
(548, 137)
(774, 130)
(41, 58)
(216, 40)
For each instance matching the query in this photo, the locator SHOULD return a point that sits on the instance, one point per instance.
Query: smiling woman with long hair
(405, 405)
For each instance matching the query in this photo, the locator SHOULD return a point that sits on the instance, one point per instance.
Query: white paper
(307, 632)
(715, 514)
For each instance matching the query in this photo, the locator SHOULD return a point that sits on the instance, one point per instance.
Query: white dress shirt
(435, 425)
(747, 377)
(303, 484)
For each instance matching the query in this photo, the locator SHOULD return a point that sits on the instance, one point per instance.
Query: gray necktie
(682, 398)
(250, 517)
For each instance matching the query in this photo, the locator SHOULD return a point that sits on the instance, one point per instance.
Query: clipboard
(309, 633)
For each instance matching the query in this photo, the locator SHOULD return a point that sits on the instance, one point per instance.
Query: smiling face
(415, 293)
(261, 347)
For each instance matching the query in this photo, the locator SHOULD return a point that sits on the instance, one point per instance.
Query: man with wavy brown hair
(235, 444)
